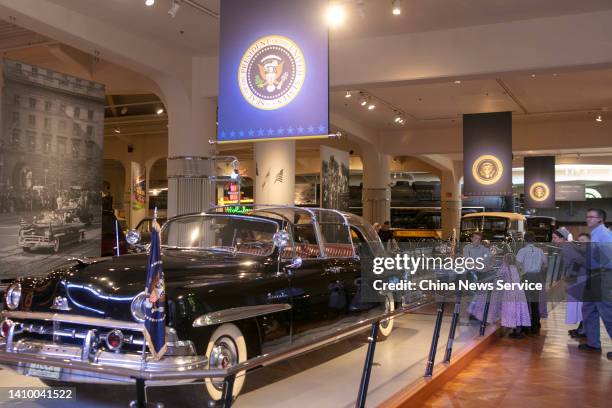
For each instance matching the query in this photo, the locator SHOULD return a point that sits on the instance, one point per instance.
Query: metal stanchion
(485, 314)
(453, 328)
(367, 367)
(228, 390)
(434, 340)
(141, 396)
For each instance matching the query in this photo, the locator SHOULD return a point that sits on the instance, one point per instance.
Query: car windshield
(484, 224)
(221, 233)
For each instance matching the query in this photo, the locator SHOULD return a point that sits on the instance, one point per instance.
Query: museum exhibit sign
(540, 182)
(334, 178)
(487, 154)
(273, 70)
(50, 168)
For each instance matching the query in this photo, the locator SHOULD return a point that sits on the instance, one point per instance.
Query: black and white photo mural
(334, 178)
(50, 168)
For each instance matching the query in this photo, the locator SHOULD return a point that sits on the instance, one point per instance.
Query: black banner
(487, 154)
(540, 182)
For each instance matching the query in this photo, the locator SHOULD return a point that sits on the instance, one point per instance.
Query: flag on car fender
(155, 303)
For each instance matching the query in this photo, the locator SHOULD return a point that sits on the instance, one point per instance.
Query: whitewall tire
(226, 347)
(386, 326)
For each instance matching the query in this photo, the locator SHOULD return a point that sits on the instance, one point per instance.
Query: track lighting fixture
(396, 7)
(149, 3)
(174, 8)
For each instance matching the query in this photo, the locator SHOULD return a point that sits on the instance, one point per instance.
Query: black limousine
(238, 285)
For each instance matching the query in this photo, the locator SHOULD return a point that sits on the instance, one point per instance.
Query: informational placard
(570, 192)
(334, 178)
(487, 154)
(540, 182)
(273, 70)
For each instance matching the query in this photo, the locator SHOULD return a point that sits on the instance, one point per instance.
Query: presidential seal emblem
(487, 169)
(271, 72)
(539, 191)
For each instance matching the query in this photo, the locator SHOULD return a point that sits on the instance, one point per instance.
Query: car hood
(105, 287)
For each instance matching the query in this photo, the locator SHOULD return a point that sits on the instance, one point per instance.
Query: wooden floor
(546, 371)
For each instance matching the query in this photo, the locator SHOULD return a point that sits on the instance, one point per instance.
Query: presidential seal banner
(540, 182)
(487, 154)
(155, 301)
(273, 70)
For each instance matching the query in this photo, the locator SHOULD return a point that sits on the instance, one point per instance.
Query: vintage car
(419, 223)
(542, 227)
(495, 226)
(237, 285)
(51, 230)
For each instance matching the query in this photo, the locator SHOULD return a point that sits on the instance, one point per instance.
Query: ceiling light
(457, 82)
(599, 118)
(159, 111)
(348, 94)
(149, 3)
(124, 110)
(174, 8)
(117, 130)
(335, 15)
(396, 7)
(364, 100)
(533, 75)
(371, 106)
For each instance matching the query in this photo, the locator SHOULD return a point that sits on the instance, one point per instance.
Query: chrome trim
(86, 349)
(238, 313)
(66, 318)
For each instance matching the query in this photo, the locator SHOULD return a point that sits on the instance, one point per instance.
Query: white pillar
(376, 192)
(275, 172)
(450, 202)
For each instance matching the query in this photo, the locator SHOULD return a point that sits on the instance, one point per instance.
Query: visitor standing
(532, 261)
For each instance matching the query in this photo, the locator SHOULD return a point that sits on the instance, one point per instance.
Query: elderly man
(597, 297)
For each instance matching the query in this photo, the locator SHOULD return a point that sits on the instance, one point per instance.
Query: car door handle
(333, 269)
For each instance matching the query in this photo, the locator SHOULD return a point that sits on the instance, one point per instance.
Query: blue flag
(155, 305)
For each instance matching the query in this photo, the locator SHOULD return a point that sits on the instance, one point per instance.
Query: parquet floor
(546, 371)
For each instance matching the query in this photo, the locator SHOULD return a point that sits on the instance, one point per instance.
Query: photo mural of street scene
(334, 178)
(50, 168)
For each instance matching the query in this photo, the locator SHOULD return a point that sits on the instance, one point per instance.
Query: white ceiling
(200, 31)
(584, 92)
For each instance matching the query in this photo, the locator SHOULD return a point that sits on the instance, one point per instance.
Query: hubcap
(385, 323)
(223, 355)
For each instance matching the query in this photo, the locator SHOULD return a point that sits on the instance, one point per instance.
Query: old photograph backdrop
(51, 161)
(334, 178)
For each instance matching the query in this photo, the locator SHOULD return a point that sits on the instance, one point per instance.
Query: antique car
(51, 230)
(495, 226)
(418, 223)
(542, 227)
(237, 286)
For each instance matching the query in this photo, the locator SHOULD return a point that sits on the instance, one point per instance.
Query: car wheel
(56, 245)
(386, 326)
(226, 348)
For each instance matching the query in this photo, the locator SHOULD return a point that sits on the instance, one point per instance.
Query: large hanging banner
(334, 178)
(273, 70)
(51, 159)
(540, 182)
(487, 154)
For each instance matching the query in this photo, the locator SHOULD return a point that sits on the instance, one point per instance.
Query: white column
(275, 172)
(450, 202)
(376, 193)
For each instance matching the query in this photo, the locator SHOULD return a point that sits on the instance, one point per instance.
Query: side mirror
(280, 239)
(295, 264)
(132, 237)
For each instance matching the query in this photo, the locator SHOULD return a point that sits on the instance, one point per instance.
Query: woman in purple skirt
(514, 311)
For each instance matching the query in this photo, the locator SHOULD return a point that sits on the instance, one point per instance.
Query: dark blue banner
(155, 304)
(540, 182)
(273, 70)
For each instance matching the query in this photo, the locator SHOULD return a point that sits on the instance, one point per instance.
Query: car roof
(499, 214)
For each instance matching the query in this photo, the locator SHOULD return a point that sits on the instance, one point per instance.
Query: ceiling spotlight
(457, 82)
(124, 110)
(396, 7)
(348, 94)
(335, 15)
(149, 3)
(599, 118)
(159, 111)
(117, 130)
(371, 106)
(174, 8)
(364, 100)
(533, 75)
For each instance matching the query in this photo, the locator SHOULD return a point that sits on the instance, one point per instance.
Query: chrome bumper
(85, 363)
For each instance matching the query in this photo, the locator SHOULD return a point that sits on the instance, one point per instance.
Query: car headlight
(13, 295)
(138, 307)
